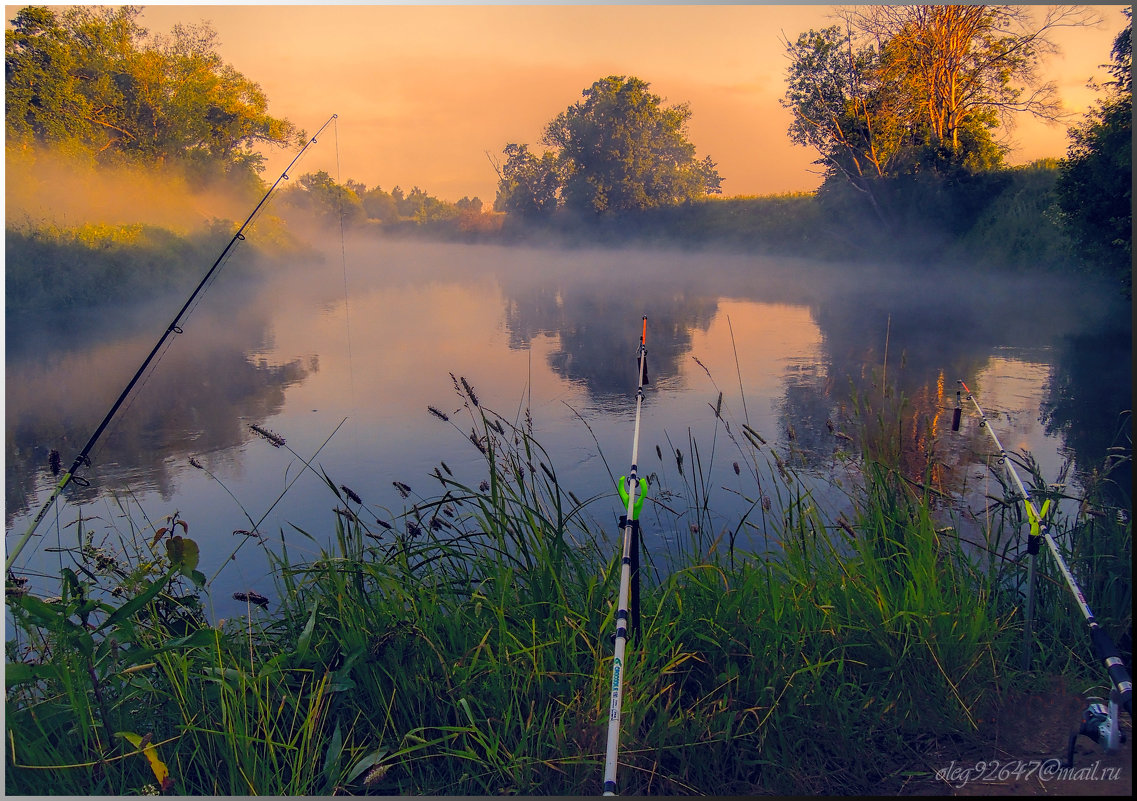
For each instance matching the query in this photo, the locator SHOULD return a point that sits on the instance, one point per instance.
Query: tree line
(906, 107)
(317, 196)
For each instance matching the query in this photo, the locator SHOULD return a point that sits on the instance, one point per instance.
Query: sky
(427, 94)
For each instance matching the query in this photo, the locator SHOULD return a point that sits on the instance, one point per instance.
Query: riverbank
(1006, 220)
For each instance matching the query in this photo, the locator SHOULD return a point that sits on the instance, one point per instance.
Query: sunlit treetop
(93, 81)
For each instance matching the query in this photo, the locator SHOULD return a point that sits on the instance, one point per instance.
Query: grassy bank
(59, 267)
(465, 646)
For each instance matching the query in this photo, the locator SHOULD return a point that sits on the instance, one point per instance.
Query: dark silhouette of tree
(1095, 187)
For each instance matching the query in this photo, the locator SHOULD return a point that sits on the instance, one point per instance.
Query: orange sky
(423, 92)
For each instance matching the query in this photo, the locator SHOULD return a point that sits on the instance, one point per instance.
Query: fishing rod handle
(1108, 653)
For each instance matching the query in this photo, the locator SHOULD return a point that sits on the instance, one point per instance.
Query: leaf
(365, 763)
(306, 635)
(332, 758)
(161, 772)
(20, 672)
(183, 553)
(199, 639)
(137, 602)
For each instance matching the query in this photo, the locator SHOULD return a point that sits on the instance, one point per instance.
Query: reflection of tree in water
(806, 412)
(199, 400)
(1089, 392)
(938, 325)
(598, 331)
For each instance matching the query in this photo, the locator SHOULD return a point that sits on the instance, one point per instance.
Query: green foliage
(316, 198)
(619, 150)
(91, 79)
(52, 266)
(830, 90)
(528, 184)
(77, 673)
(1019, 227)
(1095, 189)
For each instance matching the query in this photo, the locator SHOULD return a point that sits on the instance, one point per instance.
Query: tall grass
(465, 645)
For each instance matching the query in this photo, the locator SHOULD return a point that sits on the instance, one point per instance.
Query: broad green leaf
(20, 672)
(366, 763)
(183, 553)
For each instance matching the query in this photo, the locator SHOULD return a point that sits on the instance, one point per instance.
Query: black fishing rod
(84, 458)
(629, 486)
(1040, 532)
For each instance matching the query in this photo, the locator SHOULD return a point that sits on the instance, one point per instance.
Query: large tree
(909, 89)
(619, 149)
(1095, 186)
(841, 110)
(94, 80)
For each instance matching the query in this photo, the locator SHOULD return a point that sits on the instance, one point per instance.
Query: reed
(463, 644)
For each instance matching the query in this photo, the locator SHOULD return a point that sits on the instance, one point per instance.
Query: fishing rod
(1036, 518)
(628, 487)
(84, 458)
(1122, 691)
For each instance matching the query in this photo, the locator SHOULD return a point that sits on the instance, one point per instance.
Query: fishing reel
(1100, 724)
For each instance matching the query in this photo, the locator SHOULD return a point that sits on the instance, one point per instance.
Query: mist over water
(356, 344)
(51, 187)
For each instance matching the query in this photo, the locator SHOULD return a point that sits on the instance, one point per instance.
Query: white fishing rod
(632, 490)
(83, 459)
(1040, 530)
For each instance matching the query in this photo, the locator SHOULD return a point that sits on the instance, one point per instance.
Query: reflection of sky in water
(1008, 390)
(554, 332)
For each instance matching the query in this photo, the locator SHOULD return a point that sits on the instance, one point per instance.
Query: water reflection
(788, 343)
(914, 331)
(1089, 398)
(198, 400)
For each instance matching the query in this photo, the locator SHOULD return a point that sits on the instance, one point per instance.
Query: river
(342, 355)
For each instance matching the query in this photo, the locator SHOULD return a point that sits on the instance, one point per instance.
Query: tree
(379, 205)
(93, 79)
(1095, 186)
(920, 88)
(621, 149)
(617, 150)
(42, 97)
(527, 184)
(319, 197)
(841, 111)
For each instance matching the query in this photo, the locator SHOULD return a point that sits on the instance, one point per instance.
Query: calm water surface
(342, 356)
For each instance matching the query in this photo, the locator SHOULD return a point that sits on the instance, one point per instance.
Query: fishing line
(346, 309)
(83, 459)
